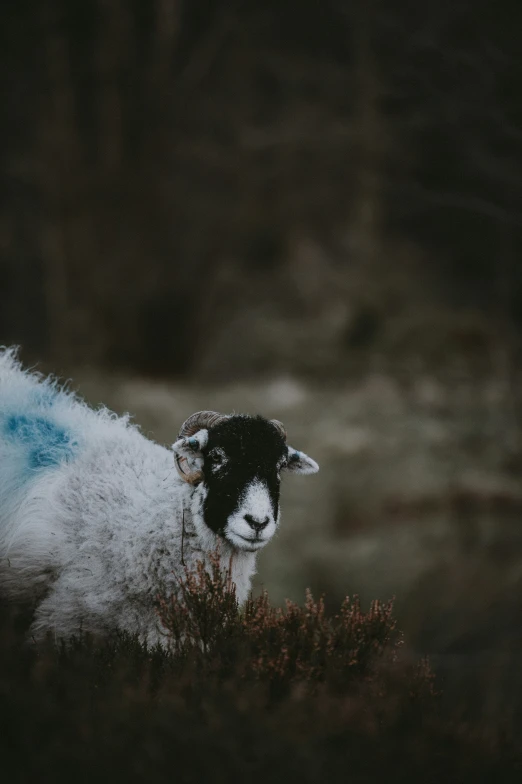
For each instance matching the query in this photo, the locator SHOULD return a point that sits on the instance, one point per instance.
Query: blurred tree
(164, 164)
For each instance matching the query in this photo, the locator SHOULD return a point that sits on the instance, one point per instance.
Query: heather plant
(234, 694)
(204, 625)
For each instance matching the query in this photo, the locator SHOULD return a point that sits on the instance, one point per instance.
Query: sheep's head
(237, 461)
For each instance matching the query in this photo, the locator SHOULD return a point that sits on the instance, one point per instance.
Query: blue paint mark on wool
(47, 443)
(44, 397)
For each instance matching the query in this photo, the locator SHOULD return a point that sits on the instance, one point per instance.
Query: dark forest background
(225, 188)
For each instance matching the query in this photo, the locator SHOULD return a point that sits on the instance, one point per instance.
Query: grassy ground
(298, 694)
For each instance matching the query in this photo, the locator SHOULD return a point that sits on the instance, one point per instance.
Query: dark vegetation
(175, 171)
(261, 694)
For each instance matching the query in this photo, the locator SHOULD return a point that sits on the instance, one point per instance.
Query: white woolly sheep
(94, 517)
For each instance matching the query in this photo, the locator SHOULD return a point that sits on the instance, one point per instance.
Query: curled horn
(200, 420)
(195, 422)
(279, 425)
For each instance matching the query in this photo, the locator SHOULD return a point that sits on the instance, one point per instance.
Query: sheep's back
(66, 472)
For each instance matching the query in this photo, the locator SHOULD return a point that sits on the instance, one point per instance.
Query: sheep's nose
(256, 523)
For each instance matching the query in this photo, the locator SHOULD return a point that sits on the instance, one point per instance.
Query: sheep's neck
(239, 566)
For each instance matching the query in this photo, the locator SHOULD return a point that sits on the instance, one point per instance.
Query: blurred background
(308, 210)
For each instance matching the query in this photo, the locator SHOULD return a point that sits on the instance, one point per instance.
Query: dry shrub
(260, 642)
(242, 694)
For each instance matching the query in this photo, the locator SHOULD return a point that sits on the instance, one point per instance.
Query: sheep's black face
(242, 463)
(237, 464)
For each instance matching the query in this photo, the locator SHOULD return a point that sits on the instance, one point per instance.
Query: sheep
(94, 517)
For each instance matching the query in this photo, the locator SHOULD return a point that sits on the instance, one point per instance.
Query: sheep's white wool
(92, 552)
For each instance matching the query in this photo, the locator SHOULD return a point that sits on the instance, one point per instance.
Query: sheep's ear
(299, 463)
(188, 456)
(191, 446)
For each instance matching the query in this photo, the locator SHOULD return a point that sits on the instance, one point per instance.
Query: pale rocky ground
(418, 495)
